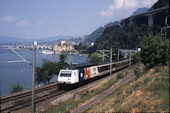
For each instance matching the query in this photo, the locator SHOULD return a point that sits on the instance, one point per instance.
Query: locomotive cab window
(65, 74)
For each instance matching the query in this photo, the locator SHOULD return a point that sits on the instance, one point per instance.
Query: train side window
(113, 65)
(94, 69)
(99, 68)
(108, 67)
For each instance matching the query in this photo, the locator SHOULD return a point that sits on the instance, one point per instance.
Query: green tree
(38, 75)
(48, 69)
(16, 88)
(154, 51)
(80, 47)
(96, 57)
(62, 58)
(92, 49)
(122, 37)
(62, 62)
(46, 72)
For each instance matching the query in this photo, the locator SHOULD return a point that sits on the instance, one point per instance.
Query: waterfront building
(62, 47)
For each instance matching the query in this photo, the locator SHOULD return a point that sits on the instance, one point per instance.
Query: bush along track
(88, 94)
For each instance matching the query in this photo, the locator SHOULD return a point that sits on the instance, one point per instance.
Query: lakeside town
(56, 48)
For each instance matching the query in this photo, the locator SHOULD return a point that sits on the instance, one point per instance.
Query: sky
(35, 19)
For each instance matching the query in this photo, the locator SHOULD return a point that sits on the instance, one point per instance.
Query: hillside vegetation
(147, 92)
(160, 3)
(122, 37)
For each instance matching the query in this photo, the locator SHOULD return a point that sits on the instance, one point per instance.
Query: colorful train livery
(79, 72)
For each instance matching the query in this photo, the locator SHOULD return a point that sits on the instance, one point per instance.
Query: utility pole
(130, 58)
(111, 62)
(103, 56)
(70, 57)
(118, 53)
(166, 25)
(33, 74)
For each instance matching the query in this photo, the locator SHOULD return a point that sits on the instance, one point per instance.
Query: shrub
(154, 51)
(136, 71)
(16, 88)
(119, 76)
(147, 80)
(96, 57)
(157, 69)
(136, 58)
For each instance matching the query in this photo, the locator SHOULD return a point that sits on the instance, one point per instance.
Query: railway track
(27, 93)
(22, 100)
(22, 104)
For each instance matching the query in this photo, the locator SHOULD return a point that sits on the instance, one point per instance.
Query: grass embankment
(147, 92)
(88, 94)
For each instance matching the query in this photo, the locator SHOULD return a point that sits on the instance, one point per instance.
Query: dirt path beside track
(103, 94)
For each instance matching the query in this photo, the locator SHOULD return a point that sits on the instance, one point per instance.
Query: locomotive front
(67, 76)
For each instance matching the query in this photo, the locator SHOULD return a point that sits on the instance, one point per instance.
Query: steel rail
(12, 98)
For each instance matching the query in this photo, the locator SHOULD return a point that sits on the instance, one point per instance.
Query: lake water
(22, 72)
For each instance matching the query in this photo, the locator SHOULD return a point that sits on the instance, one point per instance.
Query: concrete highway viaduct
(148, 17)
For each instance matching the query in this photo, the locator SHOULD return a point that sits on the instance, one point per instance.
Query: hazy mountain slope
(7, 40)
(139, 11)
(98, 32)
(16, 40)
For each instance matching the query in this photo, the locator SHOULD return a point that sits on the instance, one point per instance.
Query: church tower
(63, 42)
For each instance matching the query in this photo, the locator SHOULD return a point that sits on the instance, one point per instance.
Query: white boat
(46, 52)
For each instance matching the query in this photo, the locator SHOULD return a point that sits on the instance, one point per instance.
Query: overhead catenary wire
(23, 59)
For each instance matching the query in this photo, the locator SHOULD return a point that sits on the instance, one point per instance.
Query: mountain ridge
(99, 31)
(139, 11)
(16, 40)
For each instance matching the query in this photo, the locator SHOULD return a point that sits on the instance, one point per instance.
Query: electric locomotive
(79, 72)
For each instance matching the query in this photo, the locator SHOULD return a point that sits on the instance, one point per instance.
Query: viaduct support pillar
(150, 20)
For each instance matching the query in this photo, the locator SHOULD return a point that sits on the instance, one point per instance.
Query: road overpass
(149, 15)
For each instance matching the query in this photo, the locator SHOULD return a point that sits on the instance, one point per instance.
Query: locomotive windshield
(65, 74)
